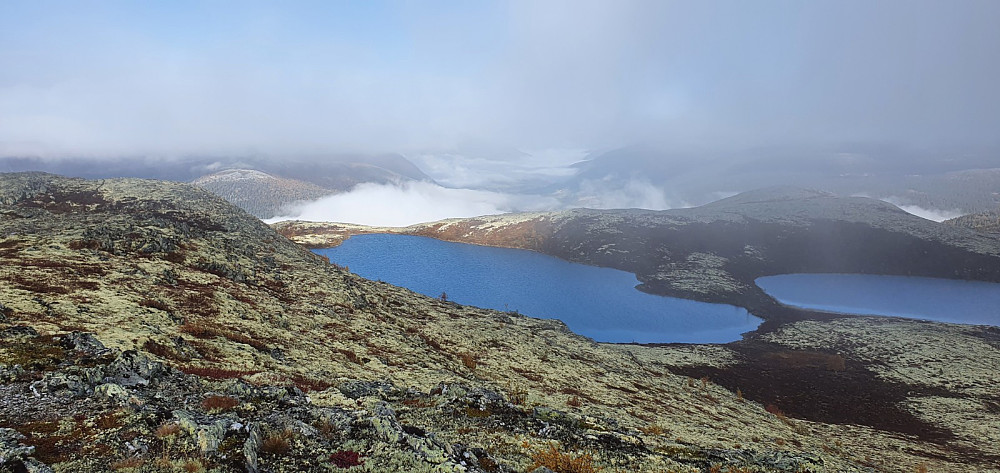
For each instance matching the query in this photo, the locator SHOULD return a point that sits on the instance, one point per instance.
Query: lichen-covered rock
(356, 389)
(84, 342)
(132, 368)
(250, 448)
(10, 373)
(209, 436)
(113, 393)
(72, 384)
(18, 332)
(11, 450)
(429, 448)
(386, 426)
(15, 456)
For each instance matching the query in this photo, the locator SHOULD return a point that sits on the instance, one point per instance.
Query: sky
(182, 77)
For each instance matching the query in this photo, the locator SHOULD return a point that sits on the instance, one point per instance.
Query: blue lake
(943, 300)
(600, 303)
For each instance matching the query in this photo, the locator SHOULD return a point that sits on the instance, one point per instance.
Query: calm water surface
(601, 303)
(943, 300)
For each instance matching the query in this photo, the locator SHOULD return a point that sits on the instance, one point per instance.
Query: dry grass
(159, 349)
(278, 443)
(560, 462)
(128, 463)
(469, 360)
(217, 403)
(653, 429)
(168, 429)
(517, 395)
(110, 420)
(193, 466)
(216, 373)
(778, 413)
(350, 355)
(155, 304)
(309, 384)
(208, 331)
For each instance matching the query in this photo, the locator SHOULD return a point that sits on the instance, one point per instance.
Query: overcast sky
(181, 77)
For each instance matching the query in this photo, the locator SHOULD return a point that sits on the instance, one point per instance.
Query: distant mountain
(343, 172)
(330, 171)
(173, 169)
(970, 190)
(944, 181)
(261, 194)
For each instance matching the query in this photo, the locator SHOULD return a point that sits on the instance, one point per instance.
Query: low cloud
(635, 194)
(931, 214)
(936, 215)
(413, 202)
(510, 170)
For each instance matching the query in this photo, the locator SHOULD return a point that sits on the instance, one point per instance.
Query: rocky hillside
(715, 252)
(985, 222)
(259, 193)
(151, 326)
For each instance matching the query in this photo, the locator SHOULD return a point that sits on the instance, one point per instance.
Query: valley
(545, 236)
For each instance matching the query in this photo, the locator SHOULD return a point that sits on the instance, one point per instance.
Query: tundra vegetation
(151, 326)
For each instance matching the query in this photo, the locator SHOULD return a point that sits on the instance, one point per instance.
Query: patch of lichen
(62, 440)
(40, 353)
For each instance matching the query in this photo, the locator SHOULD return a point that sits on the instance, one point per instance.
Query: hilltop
(152, 326)
(259, 193)
(986, 221)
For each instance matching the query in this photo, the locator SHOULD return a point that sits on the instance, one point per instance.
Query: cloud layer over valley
(412, 202)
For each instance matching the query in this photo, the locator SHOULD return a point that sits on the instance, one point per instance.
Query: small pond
(600, 303)
(943, 300)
